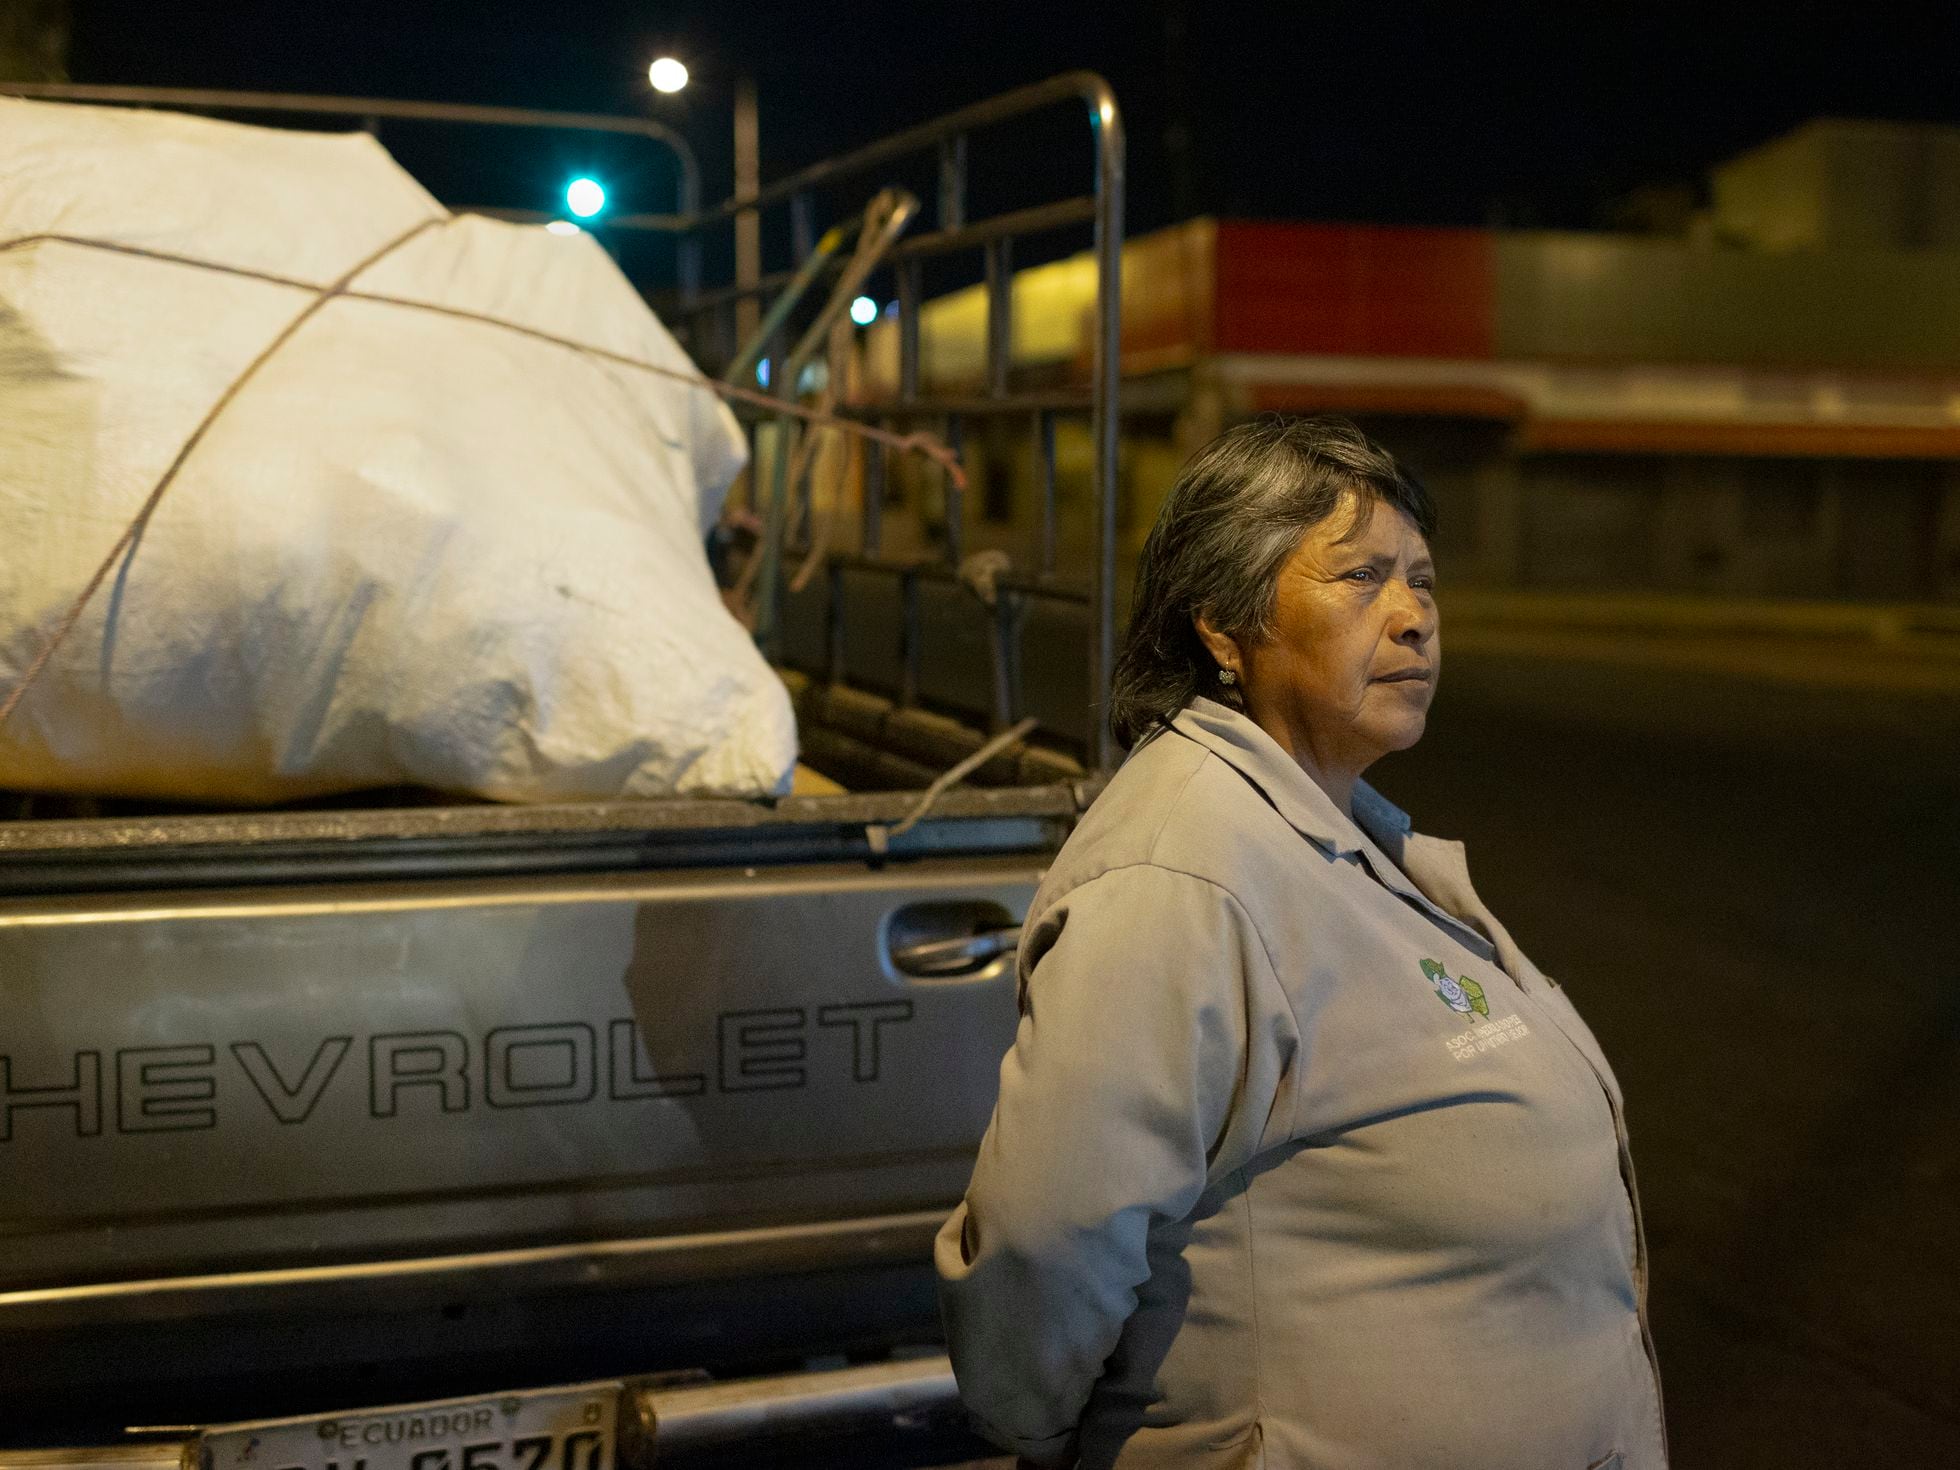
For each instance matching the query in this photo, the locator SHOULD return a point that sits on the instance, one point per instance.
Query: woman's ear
(1223, 648)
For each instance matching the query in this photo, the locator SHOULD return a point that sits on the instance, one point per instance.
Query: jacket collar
(1379, 835)
(1295, 795)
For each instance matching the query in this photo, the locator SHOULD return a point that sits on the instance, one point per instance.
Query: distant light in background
(667, 75)
(585, 197)
(762, 372)
(563, 227)
(864, 311)
(891, 307)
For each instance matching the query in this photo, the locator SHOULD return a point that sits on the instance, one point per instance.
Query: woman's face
(1351, 666)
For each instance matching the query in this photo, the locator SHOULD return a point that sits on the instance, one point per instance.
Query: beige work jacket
(1298, 1161)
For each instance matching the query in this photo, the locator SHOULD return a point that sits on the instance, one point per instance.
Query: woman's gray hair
(1230, 522)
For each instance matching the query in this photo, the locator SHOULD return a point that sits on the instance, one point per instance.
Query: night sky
(1445, 114)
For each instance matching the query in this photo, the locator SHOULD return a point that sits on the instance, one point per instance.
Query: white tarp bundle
(415, 548)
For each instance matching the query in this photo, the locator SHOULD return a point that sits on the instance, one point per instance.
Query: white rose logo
(1461, 994)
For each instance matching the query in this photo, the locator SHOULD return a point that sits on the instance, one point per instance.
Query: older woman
(1298, 1160)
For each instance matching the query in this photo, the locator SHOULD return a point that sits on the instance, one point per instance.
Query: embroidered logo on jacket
(1461, 994)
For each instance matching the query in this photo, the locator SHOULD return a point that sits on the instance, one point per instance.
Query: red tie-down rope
(917, 443)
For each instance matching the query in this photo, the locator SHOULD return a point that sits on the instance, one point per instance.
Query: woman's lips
(1406, 676)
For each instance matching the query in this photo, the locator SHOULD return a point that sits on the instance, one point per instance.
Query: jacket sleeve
(1151, 1051)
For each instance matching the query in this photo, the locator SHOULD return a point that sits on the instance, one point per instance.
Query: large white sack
(414, 550)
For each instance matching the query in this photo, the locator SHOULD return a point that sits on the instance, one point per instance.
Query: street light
(585, 197)
(667, 74)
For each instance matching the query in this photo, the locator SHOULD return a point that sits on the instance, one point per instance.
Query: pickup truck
(308, 1115)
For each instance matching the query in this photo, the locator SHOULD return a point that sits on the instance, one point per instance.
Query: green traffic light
(585, 197)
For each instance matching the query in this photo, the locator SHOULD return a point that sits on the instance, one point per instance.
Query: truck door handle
(942, 958)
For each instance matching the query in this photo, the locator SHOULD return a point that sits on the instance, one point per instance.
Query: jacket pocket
(1611, 1462)
(1245, 1450)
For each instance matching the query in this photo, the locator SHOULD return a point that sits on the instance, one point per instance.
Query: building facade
(1763, 404)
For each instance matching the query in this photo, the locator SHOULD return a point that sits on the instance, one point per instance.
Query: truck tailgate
(265, 1078)
(382, 1092)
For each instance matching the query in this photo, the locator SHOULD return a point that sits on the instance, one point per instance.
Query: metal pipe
(941, 574)
(902, 206)
(938, 407)
(952, 183)
(940, 242)
(909, 301)
(954, 438)
(1044, 469)
(1033, 221)
(802, 227)
(1107, 370)
(657, 1416)
(665, 224)
(909, 638)
(834, 619)
(687, 269)
(1000, 314)
(748, 224)
(144, 1454)
(742, 370)
(764, 1250)
(1084, 86)
(363, 108)
(877, 467)
(781, 436)
(884, 220)
(826, 1401)
(1009, 610)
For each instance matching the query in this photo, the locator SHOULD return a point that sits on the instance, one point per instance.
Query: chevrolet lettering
(192, 1086)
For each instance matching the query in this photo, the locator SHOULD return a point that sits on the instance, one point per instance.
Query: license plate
(540, 1429)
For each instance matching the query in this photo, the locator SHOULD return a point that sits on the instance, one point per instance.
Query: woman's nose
(1413, 619)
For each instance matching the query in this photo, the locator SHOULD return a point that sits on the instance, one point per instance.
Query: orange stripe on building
(1831, 441)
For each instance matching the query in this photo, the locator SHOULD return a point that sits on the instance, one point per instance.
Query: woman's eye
(1365, 574)
(1427, 584)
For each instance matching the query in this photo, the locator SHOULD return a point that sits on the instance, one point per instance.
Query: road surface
(1750, 889)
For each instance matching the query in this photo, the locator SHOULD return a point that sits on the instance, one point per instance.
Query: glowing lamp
(585, 197)
(667, 75)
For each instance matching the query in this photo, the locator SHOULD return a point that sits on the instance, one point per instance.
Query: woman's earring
(1227, 677)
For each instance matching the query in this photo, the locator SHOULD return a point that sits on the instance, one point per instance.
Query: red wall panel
(1355, 290)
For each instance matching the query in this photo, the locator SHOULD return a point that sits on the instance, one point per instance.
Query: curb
(1937, 625)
